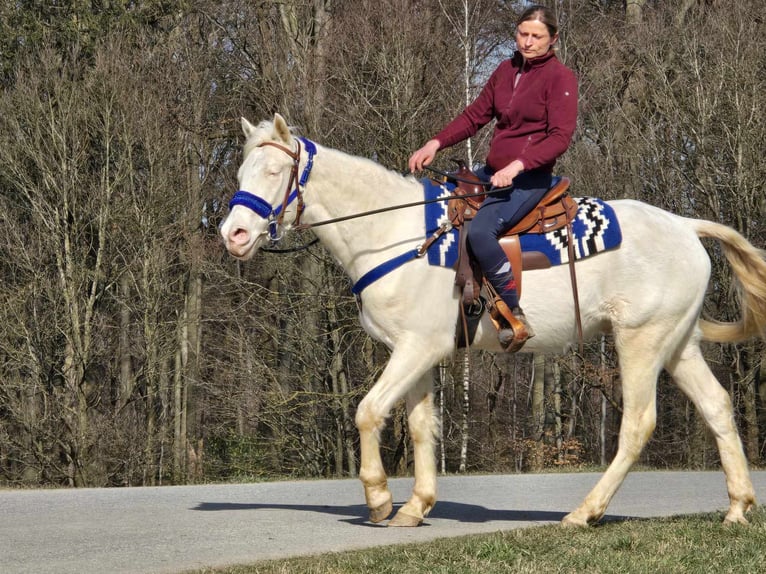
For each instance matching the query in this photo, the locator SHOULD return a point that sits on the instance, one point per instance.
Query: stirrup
(513, 339)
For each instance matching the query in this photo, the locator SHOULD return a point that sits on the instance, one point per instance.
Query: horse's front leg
(423, 425)
(410, 361)
(371, 472)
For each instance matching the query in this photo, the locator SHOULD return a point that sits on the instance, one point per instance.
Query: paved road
(172, 529)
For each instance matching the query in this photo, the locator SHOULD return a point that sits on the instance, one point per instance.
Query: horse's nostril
(239, 236)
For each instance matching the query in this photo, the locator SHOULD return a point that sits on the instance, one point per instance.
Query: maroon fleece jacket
(536, 117)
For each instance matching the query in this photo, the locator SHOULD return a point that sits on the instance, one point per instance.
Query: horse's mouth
(245, 251)
(241, 252)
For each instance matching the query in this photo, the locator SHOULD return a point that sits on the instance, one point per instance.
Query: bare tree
(133, 351)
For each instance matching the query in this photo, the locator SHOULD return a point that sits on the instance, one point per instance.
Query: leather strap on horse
(573, 278)
(296, 157)
(466, 273)
(431, 240)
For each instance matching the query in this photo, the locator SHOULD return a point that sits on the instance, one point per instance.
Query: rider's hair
(542, 14)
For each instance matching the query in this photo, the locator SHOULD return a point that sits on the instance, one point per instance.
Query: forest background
(135, 351)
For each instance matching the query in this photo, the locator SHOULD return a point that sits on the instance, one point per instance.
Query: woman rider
(533, 97)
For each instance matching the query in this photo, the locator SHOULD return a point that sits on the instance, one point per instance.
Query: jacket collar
(518, 60)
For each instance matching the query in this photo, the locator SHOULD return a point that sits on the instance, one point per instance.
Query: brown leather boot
(519, 314)
(513, 338)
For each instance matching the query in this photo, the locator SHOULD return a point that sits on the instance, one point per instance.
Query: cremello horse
(648, 294)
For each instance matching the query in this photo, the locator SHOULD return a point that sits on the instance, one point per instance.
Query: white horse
(648, 294)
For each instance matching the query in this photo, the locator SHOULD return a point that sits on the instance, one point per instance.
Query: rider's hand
(424, 155)
(505, 176)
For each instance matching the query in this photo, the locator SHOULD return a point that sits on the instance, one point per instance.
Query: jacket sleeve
(561, 110)
(474, 117)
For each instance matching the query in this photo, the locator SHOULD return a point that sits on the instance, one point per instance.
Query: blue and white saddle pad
(595, 229)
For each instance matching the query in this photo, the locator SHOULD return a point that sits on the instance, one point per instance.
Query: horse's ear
(281, 129)
(247, 127)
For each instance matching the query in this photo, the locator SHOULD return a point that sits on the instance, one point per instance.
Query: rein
(462, 179)
(293, 191)
(384, 209)
(291, 249)
(406, 205)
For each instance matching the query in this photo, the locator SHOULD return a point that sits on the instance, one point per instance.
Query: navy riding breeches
(498, 213)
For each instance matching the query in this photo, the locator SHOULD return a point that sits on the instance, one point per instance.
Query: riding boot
(512, 338)
(518, 331)
(513, 330)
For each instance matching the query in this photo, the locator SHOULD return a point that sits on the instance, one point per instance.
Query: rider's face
(533, 39)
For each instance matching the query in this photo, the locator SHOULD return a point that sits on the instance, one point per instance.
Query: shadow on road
(444, 509)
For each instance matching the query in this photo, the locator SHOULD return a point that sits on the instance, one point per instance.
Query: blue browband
(262, 207)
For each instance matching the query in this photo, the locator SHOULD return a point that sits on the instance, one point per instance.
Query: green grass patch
(693, 544)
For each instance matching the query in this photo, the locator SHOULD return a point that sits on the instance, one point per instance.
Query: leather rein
(294, 191)
(406, 205)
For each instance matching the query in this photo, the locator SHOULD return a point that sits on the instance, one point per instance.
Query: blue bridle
(263, 208)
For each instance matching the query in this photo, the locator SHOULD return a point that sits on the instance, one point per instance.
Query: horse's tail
(749, 266)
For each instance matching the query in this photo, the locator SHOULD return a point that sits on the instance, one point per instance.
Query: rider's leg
(497, 214)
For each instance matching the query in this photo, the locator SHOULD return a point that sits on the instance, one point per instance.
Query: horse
(647, 294)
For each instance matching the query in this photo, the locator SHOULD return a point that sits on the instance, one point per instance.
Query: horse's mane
(264, 132)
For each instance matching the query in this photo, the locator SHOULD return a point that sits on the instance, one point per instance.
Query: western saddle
(556, 210)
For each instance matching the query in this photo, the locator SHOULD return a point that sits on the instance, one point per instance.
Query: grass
(693, 544)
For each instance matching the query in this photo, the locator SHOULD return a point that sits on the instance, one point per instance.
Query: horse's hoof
(737, 511)
(382, 512)
(572, 521)
(735, 519)
(404, 519)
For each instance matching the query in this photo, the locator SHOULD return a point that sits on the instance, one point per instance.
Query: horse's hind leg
(410, 361)
(695, 379)
(640, 365)
(423, 427)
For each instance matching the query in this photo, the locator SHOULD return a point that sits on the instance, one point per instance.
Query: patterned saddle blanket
(594, 229)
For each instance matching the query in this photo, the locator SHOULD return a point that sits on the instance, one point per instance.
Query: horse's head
(268, 182)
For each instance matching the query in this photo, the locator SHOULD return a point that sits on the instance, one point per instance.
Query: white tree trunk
(466, 410)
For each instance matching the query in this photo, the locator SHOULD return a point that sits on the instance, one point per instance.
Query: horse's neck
(342, 185)
(354, 184)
